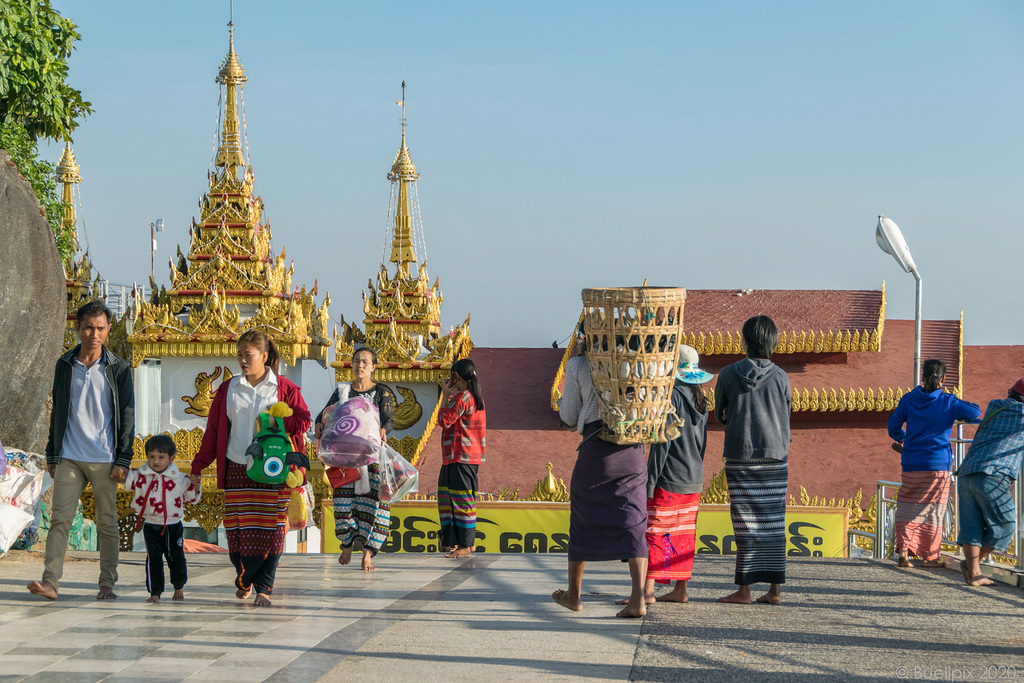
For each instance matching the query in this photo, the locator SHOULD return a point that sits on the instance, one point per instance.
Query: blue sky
(564, 145)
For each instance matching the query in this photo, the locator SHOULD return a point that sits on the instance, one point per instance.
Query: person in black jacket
(92, 427)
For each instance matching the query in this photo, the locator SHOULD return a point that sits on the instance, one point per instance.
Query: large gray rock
(33, 310)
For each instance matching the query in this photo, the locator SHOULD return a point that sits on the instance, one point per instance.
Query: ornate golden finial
(403, 172)
(231, 75)
(68, 176)
(550, 489)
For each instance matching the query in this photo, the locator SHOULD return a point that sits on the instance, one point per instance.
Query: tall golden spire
(68, 176)
(231, 75)
(403, 171)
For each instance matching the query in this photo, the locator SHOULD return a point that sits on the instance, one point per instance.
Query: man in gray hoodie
(752, 400)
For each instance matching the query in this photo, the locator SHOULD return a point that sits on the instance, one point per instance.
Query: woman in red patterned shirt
(463, 448)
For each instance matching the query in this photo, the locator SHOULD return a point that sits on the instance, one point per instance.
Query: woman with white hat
(675, 477)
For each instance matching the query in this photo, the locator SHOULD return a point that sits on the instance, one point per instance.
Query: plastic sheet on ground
(22, 487)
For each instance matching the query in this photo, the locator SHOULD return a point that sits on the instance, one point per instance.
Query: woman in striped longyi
(463, 448)
(752, 400)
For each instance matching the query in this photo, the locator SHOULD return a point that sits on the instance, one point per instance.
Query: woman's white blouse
(244, 403)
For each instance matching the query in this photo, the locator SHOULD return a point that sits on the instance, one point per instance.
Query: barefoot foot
(933, 564)
(43, 588)
(179, 594)
(563, 598)
(737, 598)
(460, 553)
(368, 563)
(346, 556)
(243, 594)
(673, 596)
(769, 599)
(648, 599)
(262, 600)
(981, 580)
(106, 593)
(153, 599)
(633, 611)
(904, 562)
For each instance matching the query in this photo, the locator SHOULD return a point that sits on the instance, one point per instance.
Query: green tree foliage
(37, 42)
(35, 100)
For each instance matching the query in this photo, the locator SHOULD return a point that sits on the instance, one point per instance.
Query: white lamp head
(891, 241)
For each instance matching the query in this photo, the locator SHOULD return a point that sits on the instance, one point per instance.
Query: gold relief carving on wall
(200, 403)
(408, 412)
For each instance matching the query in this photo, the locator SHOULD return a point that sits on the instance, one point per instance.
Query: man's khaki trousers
(69, 482)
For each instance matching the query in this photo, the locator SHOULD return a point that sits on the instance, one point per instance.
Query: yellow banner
(503, 527)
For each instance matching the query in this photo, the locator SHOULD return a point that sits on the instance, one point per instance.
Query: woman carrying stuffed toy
(255, 514)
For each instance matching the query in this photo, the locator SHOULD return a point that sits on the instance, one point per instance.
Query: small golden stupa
(82, 284)
(402, 317)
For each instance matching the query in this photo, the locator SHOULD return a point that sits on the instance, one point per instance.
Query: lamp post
(891, 241)
(154, 228)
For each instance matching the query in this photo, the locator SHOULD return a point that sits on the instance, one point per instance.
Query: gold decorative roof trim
(959, 389)
(570, 351)
(729, 343)
(834, 400)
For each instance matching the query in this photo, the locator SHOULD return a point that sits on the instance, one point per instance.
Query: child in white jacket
(160, 491)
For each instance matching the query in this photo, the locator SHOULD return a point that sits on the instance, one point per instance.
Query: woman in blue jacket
(928, 413)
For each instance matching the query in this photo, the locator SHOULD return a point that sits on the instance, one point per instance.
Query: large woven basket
(633, 337)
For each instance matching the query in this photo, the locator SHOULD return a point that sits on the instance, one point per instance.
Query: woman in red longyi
(255, 515)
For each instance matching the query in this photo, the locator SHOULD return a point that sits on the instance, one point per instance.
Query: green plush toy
(270, 458)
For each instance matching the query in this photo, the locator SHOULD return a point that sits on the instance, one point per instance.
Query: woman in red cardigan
(463, 448)
(255, 515)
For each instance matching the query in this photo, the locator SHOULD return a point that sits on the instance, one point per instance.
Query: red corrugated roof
(724, 310)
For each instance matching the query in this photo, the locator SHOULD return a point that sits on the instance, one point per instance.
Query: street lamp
(891, 241)
(154, 228)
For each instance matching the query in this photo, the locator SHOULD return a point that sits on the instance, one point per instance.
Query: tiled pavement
(422, 617)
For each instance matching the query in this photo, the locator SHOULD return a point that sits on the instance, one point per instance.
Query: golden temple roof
(403, 313)
(230, 281)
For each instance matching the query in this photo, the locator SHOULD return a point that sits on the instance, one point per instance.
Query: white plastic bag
(12, 522)
(398, 477)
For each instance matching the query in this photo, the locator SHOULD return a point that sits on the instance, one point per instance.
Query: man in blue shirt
(985, 482)
(92, 427)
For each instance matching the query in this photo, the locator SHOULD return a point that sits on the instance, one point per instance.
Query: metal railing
(884, 538)
(119, 296)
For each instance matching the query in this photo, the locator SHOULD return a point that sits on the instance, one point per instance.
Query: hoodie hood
(172, 470)
(923, 399)
(754, 371)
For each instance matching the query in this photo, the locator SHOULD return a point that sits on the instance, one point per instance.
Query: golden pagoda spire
(231, 75)
(403, 171)
(68, 176)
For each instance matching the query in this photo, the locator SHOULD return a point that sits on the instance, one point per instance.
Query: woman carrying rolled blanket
(926, 458)
(359, 513)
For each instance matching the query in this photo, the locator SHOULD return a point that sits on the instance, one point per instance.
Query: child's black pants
(164, 541)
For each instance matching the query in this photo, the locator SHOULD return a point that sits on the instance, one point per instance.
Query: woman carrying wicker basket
(607, 496)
